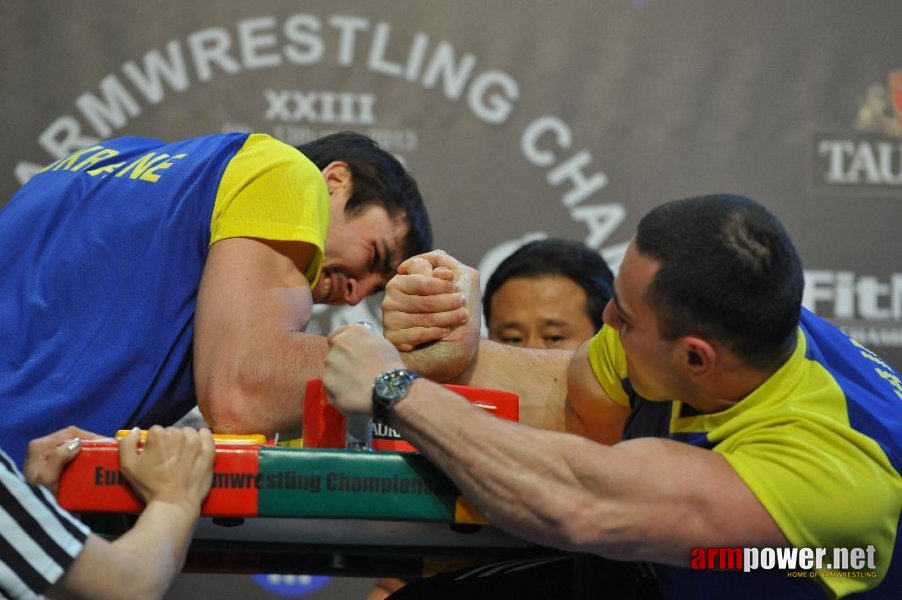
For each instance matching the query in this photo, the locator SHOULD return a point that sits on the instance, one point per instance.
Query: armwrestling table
(307, 511)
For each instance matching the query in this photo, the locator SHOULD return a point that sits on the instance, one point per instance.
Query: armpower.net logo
(797, 562)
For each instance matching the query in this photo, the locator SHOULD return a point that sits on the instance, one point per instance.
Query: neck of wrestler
(730, 381)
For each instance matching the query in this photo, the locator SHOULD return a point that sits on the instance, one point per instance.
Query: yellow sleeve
(609, 364)
(271, 191)
(824, 486)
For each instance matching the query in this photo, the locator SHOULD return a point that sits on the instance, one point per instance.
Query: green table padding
(344, 484)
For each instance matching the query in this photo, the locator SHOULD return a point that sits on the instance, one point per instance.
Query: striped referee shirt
(38, 539)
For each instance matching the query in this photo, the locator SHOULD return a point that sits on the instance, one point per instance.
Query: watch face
(392, 386)
(388, 389)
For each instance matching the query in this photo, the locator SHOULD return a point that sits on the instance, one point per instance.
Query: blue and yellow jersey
(101, 256)
(819, 443)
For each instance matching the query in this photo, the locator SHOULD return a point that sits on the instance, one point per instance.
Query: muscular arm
(251, 355)
(589, 411)
(431, 313)
(437, 329)
(539, 377)
(647, 499)
(557, 388)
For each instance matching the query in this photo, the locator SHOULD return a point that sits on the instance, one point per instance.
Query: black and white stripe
(38, 539)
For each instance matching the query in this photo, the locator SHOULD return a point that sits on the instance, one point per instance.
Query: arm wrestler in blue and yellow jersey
(139, 278)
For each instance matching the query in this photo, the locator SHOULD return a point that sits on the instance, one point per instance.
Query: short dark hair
(379, 179)
(556, 257)
(727, 269)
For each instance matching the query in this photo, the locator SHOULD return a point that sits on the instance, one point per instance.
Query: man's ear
(698, 356)
(337, 175)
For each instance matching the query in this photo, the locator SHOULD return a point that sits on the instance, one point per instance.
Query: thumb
(416, 266)
(47, 470)
(67, 451)
(128, 447)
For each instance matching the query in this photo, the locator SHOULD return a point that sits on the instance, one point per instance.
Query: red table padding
(324, 426)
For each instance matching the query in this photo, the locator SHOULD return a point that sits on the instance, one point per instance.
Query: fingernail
(73, 444)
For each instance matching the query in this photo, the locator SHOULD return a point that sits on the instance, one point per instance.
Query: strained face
(362, 253)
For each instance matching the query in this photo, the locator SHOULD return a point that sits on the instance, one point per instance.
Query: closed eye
(382, 260)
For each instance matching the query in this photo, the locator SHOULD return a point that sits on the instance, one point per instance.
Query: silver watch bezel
(389, 388)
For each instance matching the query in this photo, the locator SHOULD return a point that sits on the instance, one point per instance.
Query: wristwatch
(388, 389)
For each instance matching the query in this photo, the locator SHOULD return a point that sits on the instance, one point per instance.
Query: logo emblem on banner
(880, 108)
(866, 160)
(895, 92)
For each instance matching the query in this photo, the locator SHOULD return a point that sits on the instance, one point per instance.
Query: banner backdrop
(519, 119)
